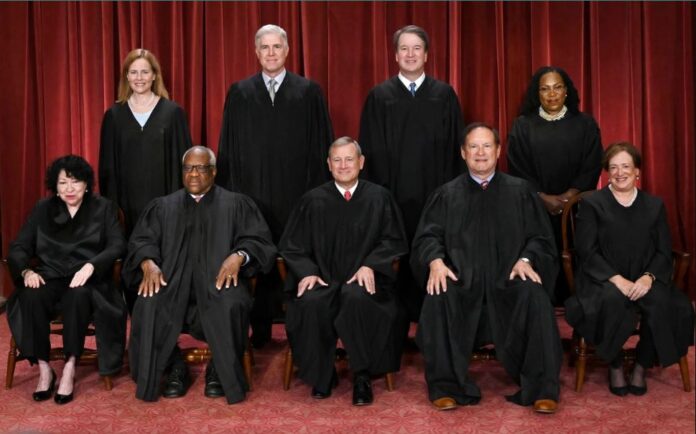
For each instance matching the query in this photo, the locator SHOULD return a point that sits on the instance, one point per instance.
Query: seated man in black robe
(485, 246)
(340, 244)
(191, 253)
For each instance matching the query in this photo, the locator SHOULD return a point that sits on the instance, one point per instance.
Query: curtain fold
(633, 65)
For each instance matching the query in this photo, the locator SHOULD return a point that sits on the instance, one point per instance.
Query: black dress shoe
(321, 394)
(362, 391)
(63, 399)
(617, 390)
(44, 395)
(213, 387)
(177, 382)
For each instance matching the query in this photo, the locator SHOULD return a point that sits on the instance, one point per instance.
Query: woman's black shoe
(637, 390)
(46, 394)
(618, 391)
(63, 399)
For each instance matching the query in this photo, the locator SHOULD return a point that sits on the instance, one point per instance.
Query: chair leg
(389, 377)
(684, 368)
(287, 375)
(11, 362)
(580, 364)
(247, 368)
(108, 384)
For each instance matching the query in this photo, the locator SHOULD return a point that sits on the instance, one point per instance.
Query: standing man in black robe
(190, 256)
(485, 246)
(409, 129)
(340, 244)
(272, 113)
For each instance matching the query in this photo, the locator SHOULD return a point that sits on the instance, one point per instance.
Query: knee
(79, 295)
(32, 296)
(353, 294)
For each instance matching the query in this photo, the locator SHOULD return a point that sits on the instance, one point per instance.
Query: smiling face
(70, 190)
(140, 76)
(552, 92)
(623, 172)
(345, 164)
(272, 50)
(481, 152)
(198, 174)
(411, 55)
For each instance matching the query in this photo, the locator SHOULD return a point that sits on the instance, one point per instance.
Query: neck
(412, 76)
(274, 74)
(143, 98)
(72, 210)
(347, 185)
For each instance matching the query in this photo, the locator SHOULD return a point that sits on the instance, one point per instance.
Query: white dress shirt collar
(408, 82)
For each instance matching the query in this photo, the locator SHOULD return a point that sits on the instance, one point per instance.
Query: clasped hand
(632, 290)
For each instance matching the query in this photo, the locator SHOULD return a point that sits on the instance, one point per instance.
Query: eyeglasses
(200, 168)
(557, 89)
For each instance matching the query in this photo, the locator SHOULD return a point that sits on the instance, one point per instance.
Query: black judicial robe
(556, 155)
(330, 237)
(63, 245)
(274, 152)
(189, 242)
(138, 164)
(480, 235)
(612, 239)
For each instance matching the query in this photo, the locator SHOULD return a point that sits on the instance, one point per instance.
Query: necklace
(133, 103)
(622, 200)
(557, 117)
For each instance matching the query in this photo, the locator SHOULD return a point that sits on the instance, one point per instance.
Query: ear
(362, 161)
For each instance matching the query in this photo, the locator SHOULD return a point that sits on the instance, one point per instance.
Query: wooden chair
(89, 355)
(581, 351)
(340, 355)
(194, 355)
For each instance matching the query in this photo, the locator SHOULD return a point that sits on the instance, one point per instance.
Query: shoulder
(513, 182)
(439, 86)
(652, 201)
(372, 189)
(585, 119)
(244, 87)
(116, 110)
(385, 88)
(170, 108)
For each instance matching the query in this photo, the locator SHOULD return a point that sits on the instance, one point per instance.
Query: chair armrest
(680, 265)
(567, 261)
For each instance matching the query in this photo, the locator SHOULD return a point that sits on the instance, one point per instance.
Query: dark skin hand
(554, 203)
(229, 271)
(153, 279)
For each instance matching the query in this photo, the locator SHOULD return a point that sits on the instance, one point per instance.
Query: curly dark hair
(531, 102)
(75, 167)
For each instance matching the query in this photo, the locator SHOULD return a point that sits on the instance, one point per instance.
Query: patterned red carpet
(666, 407)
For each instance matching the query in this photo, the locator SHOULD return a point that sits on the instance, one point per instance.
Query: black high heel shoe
(64, 399)
(638, 390)
(618, 391)
(44, 395)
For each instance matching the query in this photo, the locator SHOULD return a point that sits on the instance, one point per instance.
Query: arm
(373, 141)
(23, 249)
(108, 167)
(587, 246)
(321, 136)
(588, 173)
(296, 249)
(253, 237)
(179, 141)
(144, 244)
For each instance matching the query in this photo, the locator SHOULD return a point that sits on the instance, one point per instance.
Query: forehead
(197, 157)
(140, 63)
(551, 78)
(271, 39)
(480, 135)
(622, 157)
(343, 151)
(410, 39)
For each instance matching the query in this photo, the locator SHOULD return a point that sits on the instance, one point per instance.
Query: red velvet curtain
(633, 64)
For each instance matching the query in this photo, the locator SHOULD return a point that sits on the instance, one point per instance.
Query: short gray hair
(211, 155)
(268, 29)
(343, 141)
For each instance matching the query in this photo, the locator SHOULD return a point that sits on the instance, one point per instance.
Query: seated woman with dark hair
(624, 274)
(76, 238)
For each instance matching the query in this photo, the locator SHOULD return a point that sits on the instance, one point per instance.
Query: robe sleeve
(321, 136)
(115, 245)
(225, 144)
(429, 240)
(144, 244)
(392, 242)
(661, 262)
(588, 175)
(23, 248)
(254, 237)
(519, 154)
(456, 122)
(296, 246)
(108, 168)
(587, 245)
(180, 141)
(373, 141)
(540, 247)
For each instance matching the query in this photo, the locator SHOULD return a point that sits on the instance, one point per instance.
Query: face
(272, 51)
(345, 164)
(201, 176)
(411, 55)
(622, 172)
(140, 76)
(480, 152)
(552, 92)
(70, 190)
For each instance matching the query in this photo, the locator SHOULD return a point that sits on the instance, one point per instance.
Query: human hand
(554, 204)
(308, 283)
(624, 285)
(524, 270)
(366, 278)
(640, 287)
(83, 274)
(153, 279)
(437, 279)
(229, 271)
(32, 279)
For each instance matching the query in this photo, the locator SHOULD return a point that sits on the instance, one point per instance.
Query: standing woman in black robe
(143, 137)
(76, 238)
(624, 275)
(555, 147)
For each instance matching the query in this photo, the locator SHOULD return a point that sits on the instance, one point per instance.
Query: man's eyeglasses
(200, 168)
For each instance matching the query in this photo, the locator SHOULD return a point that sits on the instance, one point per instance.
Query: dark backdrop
(633, 64)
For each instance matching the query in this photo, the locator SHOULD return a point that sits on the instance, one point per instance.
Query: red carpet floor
(665, 409)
